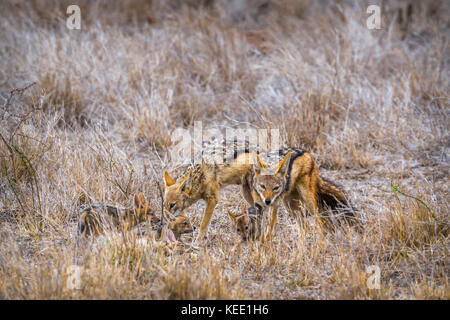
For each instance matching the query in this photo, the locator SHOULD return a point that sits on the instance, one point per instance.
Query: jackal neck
(273, 157)
(196, 185)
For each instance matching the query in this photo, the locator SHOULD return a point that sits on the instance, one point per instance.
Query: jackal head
(180, 225)
(176, 196)
(269, 182)
(143, 210)
(242, 224)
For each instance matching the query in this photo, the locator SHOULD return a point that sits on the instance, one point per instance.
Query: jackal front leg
(273, 221)
(247, 191)
(210, 205)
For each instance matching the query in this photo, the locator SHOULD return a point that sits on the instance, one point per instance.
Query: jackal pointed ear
(231, 215)
(283, 165)
(258, 164)
(139, 200)
(171, 236)
(168, 179)
(185, 184)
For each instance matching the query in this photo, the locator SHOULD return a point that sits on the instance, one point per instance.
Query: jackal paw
(201, 240)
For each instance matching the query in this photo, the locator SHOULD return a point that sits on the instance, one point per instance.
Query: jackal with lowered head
(222, 163)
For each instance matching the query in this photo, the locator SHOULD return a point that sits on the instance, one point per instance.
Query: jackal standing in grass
(222, 164)
(95, 219)
(295, 180)
(248, 223)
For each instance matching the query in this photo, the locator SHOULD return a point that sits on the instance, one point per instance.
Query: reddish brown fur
(204, 181)
(305, 187)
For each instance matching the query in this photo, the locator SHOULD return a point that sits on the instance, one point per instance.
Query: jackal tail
(82, 225)
(331, 196)
(88, 223)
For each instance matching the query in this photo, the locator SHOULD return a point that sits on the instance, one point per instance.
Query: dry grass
(371, 105)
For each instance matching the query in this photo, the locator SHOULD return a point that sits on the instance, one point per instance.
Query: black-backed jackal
(225, 163)
(96, 219)
(248, 223)
(178, 225)
(296, 181)
(168, 236)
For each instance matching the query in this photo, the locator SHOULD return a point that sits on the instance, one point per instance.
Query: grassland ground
(96, 125)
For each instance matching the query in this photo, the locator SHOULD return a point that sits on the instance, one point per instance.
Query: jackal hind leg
(292, 207)
(310, 201)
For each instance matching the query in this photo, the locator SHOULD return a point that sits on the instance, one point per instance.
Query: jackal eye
(185, 223)
(172, 205)
(262, 186)
(246, 227)
(238, 229)
(276, 188)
